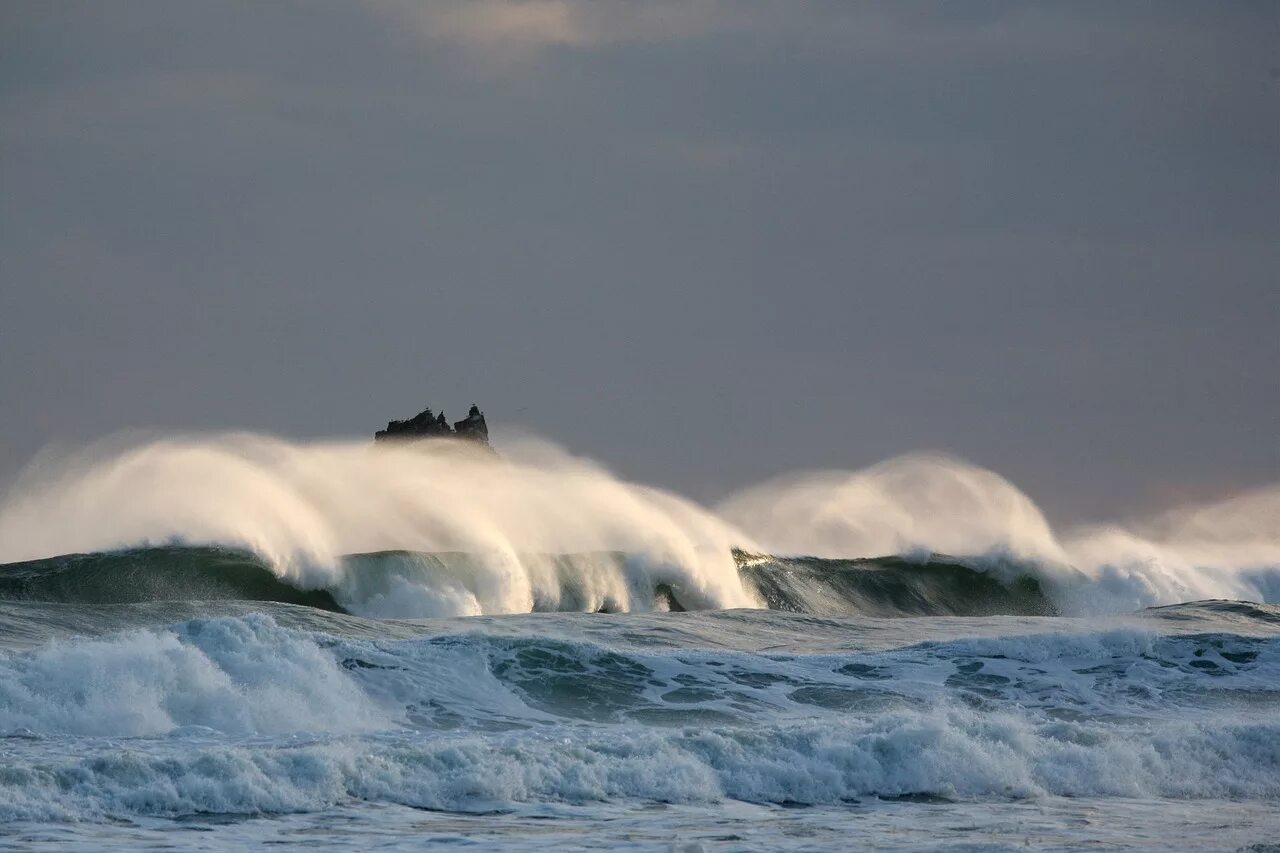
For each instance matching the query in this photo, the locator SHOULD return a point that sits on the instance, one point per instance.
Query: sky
(703, 242)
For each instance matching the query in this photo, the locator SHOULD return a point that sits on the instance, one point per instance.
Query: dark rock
(427, 424)
(473, 426)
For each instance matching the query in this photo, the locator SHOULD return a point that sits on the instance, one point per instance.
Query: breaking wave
(244, 716)
(230, 626)
(437, 529)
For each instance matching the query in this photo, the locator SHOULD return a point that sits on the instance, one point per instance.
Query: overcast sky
(703, 242)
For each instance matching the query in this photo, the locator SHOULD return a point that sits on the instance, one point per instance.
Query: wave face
(893, 586)
(153, 574)
(403, 584)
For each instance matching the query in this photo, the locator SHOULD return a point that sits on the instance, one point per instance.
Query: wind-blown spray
(439, 528)
(304, 507)
(939, 504)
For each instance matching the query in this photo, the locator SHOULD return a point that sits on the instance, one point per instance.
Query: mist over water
(470, 532)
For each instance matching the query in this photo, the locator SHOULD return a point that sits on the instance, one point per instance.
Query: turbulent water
(225, 641)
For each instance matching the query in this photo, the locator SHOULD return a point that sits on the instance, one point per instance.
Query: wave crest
(533, 527)
(302, 507)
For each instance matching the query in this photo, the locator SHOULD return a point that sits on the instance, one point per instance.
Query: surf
(436, 528)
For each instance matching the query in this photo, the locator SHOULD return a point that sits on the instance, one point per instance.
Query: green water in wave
(172, 573)
(885, 586)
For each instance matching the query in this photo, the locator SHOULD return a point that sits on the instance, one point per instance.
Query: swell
(137, 575)
(407, 584)
(893, 586)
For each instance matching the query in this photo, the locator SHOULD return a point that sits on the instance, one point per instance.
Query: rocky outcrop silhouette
(472, 426)
(427, 424)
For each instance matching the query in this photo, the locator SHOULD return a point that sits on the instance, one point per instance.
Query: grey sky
(703, 242)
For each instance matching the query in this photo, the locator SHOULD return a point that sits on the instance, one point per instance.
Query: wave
(250, 675)
(474, 722)
(895, 586)
(933, 757)
(303, 508)
(438, 530)
(154, 574)
(402, 584)
(921, 503)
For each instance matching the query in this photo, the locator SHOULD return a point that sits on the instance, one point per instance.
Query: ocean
(228, 641)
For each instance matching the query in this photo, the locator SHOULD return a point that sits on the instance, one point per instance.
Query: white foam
(951, 753)
(303, 506)
(242, 716)
(933, 503)
(236, 676)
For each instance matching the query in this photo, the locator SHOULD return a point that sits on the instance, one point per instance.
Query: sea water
(230, 642)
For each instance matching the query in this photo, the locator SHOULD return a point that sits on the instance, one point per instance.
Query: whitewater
(225, 640)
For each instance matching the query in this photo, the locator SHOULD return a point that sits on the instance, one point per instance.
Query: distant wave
(303, 509)
(223, 626)
(440, 531)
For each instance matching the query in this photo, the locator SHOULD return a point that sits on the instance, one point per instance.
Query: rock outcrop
(472, 426)
(427, 424)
